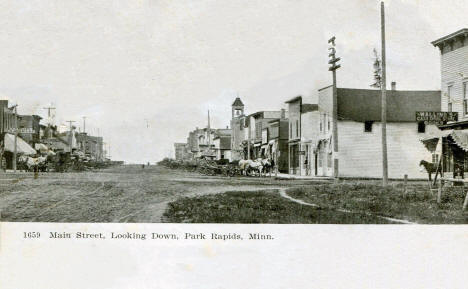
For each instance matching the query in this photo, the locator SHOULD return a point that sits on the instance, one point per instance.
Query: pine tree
(377, 70)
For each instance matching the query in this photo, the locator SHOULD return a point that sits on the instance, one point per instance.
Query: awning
(22, 147)
(460, 137)
(56, 145)
(41, 147)
(430, 141)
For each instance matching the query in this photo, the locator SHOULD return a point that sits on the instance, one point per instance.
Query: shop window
(421, 127)
(368, 126)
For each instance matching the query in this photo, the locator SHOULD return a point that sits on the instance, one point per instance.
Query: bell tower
(237, 108)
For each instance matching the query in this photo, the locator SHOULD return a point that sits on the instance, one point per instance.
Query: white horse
(256, 166)
(247, 166)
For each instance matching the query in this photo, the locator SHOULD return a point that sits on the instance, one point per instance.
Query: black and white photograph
(232, 128)
(265, 113)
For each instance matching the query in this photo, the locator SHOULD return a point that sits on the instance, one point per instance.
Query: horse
(243, 166)
(266, 166)
(429, 167)
(256, 166)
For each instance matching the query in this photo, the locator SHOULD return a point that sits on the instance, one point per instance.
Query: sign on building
(436, 116)
(21, 130)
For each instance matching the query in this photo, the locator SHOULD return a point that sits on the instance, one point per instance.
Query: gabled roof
(365, 104)
(237, 102)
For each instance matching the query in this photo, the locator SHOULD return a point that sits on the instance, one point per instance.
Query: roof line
(445, 38)
(325, 87)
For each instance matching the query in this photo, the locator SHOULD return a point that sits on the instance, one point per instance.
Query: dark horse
(429, 167)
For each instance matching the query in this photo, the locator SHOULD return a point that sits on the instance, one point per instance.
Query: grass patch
(417, 204)
(256, 207)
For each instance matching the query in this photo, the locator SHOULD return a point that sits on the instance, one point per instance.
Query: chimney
(283, 113)
(393, 85)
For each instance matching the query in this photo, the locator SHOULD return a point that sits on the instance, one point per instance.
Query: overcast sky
(145, 72)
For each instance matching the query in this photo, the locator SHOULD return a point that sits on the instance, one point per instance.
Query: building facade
(277, 137)
(91, 146)
(222, 144)
(452, 142)
(181, 151)
(256, 123)
(303, 134)
(359, 132)
(29, 128)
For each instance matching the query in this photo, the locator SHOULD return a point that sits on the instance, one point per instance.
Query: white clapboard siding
(454, 71)
(360, 153)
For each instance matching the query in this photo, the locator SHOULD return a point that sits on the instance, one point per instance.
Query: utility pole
(383, 88)
(334, 66)
(70, 136)
(15, 149)
(49, 115)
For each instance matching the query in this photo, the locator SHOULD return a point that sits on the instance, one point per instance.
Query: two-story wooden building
(453, 141)
(256, 123)
(303, 135)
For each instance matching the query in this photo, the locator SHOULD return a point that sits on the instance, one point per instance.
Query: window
(329, 160)
(328, 125)
(421, 127)
(368, 126)
(290, 130)
(465, 98)
(297, 128)
(435, 159)
(449, 96)
(321, 126)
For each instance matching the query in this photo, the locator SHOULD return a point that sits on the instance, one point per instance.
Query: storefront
(449, 152)
(22, 148)
(294, 158)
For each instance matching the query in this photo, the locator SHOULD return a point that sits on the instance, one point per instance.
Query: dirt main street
(118, 194)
